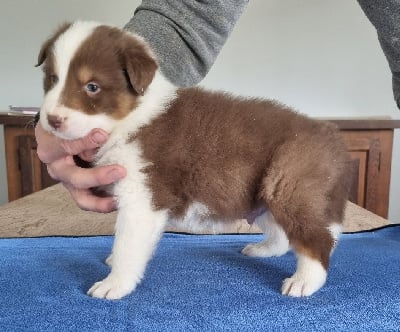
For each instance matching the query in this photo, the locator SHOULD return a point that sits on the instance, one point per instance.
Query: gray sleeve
(385, 16)
(186, 35)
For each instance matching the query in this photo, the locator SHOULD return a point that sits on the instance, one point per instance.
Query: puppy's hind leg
(309, 277)
(276, 242)
(313, 242)
(308, 207)
(313, 255)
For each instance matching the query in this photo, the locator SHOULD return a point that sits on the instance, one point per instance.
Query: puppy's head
(94, 76)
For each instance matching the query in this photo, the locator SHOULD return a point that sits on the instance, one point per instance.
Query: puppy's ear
(139, 65)
(48, 44)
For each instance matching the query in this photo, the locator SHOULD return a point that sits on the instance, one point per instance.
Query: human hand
(58, 154)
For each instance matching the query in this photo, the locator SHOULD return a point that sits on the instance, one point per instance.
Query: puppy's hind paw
(264, 249)
(308, 278)
(110, 288)
(297, 286)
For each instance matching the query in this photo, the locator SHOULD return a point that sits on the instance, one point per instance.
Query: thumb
(84, 145)
(51, 147)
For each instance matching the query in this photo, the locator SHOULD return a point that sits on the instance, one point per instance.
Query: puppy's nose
(55, 121)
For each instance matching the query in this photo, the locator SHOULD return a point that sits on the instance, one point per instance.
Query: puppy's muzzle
(55, 121)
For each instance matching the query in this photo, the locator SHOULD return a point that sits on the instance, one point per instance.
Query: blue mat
(198, 283)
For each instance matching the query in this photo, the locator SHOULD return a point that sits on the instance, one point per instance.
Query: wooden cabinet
(368, 140)
(25, 173)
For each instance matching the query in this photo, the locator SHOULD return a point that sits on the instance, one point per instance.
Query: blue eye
(92, 88)
(53, 79)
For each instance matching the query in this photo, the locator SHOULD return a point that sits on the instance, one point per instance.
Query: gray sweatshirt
(187, 35)
(385, 16)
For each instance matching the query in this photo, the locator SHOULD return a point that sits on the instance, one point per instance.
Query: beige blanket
(53, 212)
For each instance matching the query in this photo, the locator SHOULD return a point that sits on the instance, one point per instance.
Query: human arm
(385, 16)
(186, 35)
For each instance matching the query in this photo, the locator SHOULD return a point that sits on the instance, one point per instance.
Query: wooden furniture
(25, 173)
(368, 140)
(370, 143)
(52, 212)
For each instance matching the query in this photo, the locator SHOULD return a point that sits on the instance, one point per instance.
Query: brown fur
(118, 63)
(231, 154)
(46, 56)
(136, 70)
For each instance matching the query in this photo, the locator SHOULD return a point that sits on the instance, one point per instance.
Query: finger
(90, 142)
(88, 155)
(89, 202)
(66, 171)
(51, 148)
(48, 145)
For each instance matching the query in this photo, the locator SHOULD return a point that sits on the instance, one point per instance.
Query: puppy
(193, 154)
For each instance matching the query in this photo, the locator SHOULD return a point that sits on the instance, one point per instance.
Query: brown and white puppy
(192, 154)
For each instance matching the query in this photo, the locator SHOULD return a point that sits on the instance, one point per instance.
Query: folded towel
(198, 283)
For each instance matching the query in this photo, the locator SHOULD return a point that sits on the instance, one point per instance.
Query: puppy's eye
(92, 88)
(53, 79)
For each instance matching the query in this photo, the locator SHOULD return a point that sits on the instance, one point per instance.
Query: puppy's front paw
(111, 288)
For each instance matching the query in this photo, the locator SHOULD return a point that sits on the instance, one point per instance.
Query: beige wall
(321, 57)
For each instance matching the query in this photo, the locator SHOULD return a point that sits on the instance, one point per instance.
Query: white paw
(264, 249)
(297, 286)
(109, 260)
(308, 278)
(111, 288)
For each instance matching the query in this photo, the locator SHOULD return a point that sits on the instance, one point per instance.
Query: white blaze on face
(75, 123)
(78, 124)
